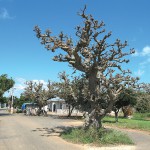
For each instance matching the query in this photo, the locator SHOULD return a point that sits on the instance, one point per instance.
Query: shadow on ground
(57, 131)
(66, 117)
(4, 114)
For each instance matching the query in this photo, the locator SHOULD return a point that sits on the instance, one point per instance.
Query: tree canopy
(127, 97)
(36, 92)
(5, 84)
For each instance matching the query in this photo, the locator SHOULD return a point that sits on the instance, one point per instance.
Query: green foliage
(143, 103)
(5, 84)
(125, 98)
(97, 137)
(134, 123)
(19, 101)
(141, 116)
(3, 99)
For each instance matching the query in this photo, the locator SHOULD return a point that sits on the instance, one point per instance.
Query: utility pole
(12, 100)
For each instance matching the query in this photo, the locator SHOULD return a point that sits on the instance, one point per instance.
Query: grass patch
(99, 138)
(136, 122)
(141, 116)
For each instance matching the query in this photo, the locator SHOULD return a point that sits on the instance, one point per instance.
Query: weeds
(96, 137)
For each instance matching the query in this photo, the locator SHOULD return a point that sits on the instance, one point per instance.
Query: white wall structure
(56, 103)
(59, 106)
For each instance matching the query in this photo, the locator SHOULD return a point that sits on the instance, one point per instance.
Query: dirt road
(140, 138)
(19, 132)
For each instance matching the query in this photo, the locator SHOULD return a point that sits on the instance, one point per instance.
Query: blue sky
(24, 58)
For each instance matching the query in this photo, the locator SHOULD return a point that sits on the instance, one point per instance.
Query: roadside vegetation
(96, 137)
(140, 121)
(102, 137)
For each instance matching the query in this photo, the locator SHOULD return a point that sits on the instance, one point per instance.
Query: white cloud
(146, 51)
(139, 73)
(4, 14)
(19, 87)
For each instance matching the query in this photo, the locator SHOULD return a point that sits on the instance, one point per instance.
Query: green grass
(139, 121)
(141, 116)
(101, 137)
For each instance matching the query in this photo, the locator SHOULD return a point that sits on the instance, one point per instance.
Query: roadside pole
(12, 100)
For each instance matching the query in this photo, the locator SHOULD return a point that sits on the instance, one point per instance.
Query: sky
(23, 58)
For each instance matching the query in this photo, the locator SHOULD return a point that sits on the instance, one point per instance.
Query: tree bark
(93, 119)
(93, 82)
(70, 110)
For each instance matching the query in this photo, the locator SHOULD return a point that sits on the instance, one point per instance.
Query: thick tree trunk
(93, 83)
(94, 117)
(94, 120)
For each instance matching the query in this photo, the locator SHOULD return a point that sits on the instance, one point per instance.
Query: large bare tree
(100, 61)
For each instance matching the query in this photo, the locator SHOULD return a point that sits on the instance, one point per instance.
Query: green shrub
(141, 116)
(97, 137)
(143, 103)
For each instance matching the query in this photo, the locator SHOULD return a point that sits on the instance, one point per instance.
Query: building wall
(54, 105)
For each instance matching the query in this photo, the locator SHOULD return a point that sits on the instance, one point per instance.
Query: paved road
(140, 138)
(41, 133)
(32, 133)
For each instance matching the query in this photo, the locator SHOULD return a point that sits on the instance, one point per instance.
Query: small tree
(5, 84)
(97, 59)
(143, 98)
(39, 94)
(143, 102)
(126, 98)
(66, 92)
(19, 101)
(3, 100)
(70, 91)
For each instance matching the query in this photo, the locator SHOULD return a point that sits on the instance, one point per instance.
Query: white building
(56, 104)
(59, 106)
